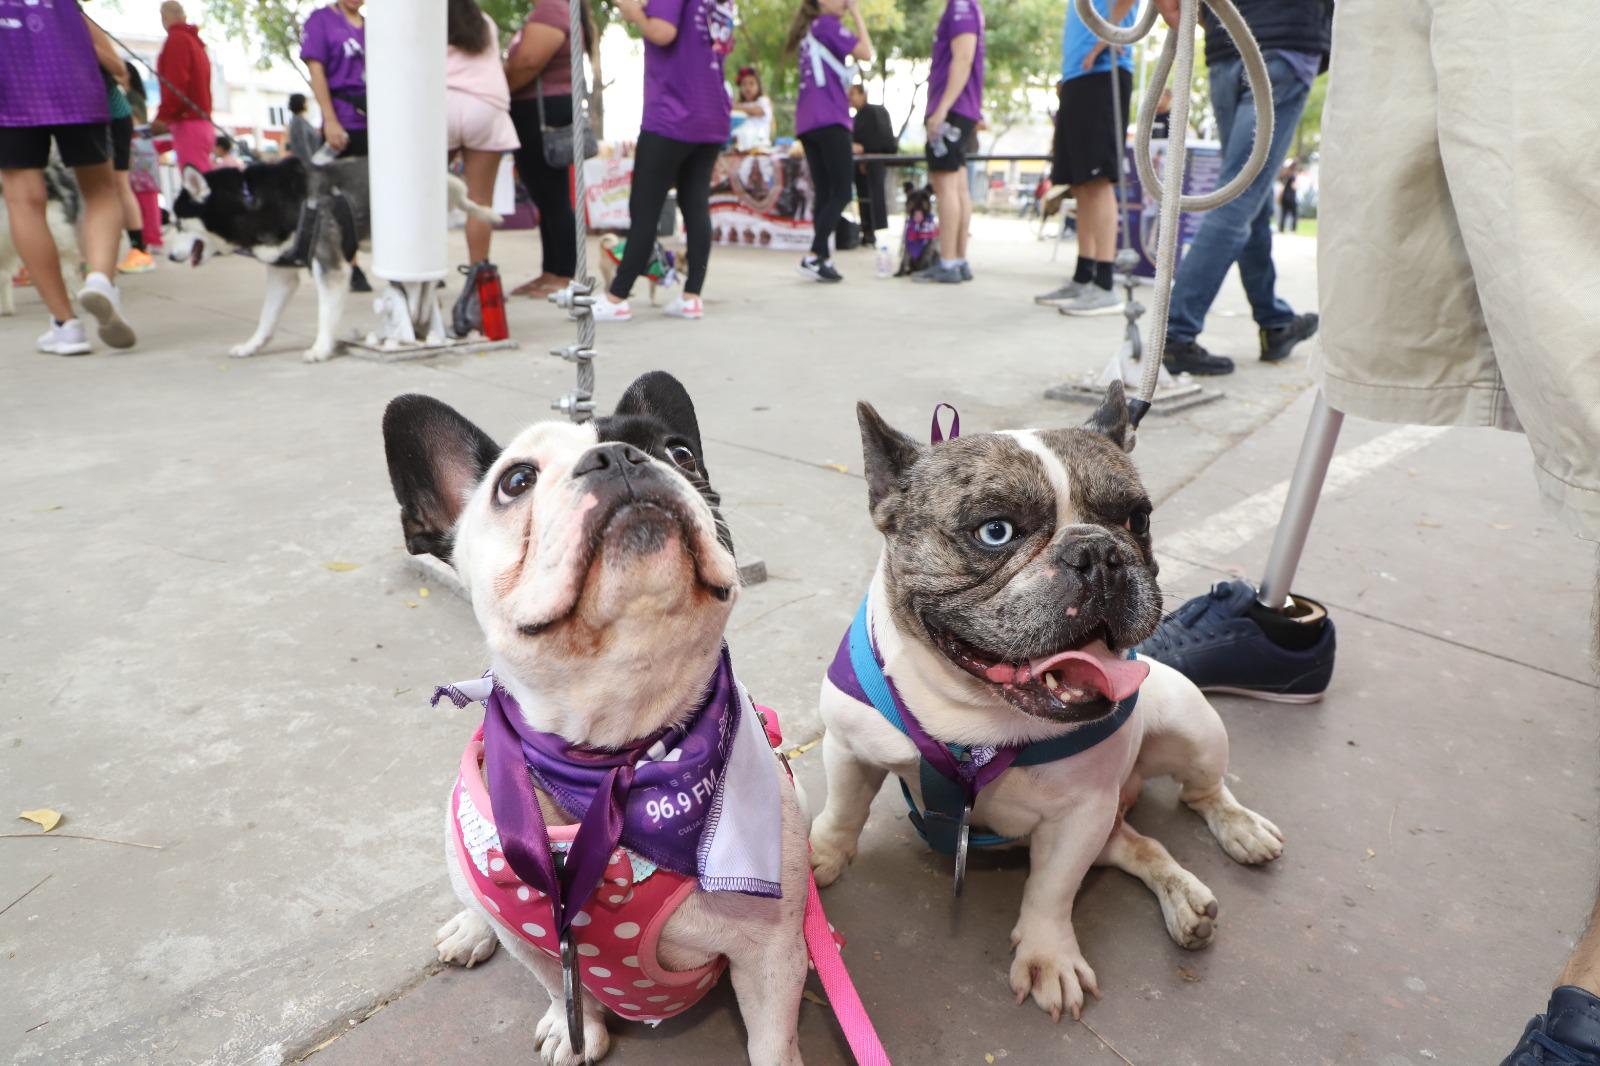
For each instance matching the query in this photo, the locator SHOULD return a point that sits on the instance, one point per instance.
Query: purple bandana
(665, 798)
(921, 230)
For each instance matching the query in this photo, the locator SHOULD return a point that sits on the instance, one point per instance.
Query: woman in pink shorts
(478, 110)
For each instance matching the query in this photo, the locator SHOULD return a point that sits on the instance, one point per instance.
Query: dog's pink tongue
(1096, 667)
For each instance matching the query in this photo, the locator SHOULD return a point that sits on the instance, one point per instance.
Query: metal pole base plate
(389, 351)
(1179, 397)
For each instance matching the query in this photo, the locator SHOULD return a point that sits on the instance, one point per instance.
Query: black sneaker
(1226, 642)
(1567, 1034)
(819, 269)
(1187, 357)
(1278, 343)
(358, 280)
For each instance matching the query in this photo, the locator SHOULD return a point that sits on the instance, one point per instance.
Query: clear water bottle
(885, 259)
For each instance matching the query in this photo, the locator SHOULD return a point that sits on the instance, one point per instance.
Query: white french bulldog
(1017, 572)
(603, 576)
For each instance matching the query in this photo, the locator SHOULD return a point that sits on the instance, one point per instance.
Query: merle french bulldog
(603, 577)
(1017, 572)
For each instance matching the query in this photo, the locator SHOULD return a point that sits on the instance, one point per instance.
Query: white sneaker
(65, 338)
(606, 311)
(100, 298)
(685, 306)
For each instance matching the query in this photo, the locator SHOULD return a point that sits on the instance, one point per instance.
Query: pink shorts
(473, 122)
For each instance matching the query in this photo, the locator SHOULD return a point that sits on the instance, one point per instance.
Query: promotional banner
(763, 200)
(1204, 171)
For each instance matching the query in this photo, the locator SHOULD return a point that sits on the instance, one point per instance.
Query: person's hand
(335, 134)
(1169, 11)
(852, 5)
(157, 128)
(858, 149)
(936, 123)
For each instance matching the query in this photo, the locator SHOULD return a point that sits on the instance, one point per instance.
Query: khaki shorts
(1459, 228)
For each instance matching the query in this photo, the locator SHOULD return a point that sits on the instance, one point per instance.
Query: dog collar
(951, 775)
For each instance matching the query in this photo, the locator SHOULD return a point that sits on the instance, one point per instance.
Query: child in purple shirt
(334, 49)
(822, 116)
(955, 104)
(686, 123)
(51, 90)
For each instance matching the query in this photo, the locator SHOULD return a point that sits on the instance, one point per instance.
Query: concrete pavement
(185, 669)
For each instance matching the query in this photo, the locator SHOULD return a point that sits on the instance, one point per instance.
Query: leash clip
(963, 835)
(571, 984)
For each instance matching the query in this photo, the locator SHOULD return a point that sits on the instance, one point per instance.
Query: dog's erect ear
(887, 454)
(1110, 419)
(436, 458)
(195, 184)
(909, 188)
(661, 396)
(928, 188)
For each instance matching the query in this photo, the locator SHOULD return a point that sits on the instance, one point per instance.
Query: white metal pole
(406, 138)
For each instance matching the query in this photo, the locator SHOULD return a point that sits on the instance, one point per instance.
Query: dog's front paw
(1056, 974)
(829, 860)
(245, 350)
(319, 353)
(1244, 835)
(555, 1046)
(466, 940)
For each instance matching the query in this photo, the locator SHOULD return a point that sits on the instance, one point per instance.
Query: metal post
(579, 296)
(1316, 452)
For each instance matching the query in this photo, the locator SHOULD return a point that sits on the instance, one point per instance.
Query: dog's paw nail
(1211, 909)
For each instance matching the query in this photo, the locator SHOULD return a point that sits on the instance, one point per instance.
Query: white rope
(1178, 49)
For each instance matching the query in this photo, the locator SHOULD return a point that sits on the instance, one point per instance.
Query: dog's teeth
(1051, 683)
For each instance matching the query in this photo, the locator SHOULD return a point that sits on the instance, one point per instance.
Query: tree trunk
(911, 113)
(597, 96)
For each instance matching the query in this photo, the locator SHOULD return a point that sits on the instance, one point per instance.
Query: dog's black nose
(609, 460)
(1097, 559)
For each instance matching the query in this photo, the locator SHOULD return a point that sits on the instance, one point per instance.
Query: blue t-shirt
(1078, 40)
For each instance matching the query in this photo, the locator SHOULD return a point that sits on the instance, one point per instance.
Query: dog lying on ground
(262, 210)
(661, 273)
(602, 576)
(63, 204)
(1017, 571)
(919, 240)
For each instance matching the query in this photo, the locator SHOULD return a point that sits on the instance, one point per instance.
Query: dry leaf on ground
(44, 816)
(341, 568)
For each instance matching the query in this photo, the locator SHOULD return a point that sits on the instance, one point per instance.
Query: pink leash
(820, 942)
(842, 995)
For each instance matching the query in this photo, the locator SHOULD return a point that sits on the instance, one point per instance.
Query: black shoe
(1187, 357)
(1567, 1034)
(1225, 641)
(1278, 343)
(358, 280)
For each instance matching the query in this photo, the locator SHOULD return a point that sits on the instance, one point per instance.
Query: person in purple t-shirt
(955, 104)
(822, 116)
(51, 90)
(333, 47)
(686, 123)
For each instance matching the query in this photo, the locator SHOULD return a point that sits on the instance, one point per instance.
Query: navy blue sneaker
(1567, 1034)
(1225, 641)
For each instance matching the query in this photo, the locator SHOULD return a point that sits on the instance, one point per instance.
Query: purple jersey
(684, 94)
(823, 76)
(960, 16)
(341, 49)
(48, 72)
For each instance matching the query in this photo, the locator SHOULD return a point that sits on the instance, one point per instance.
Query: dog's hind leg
(1188, 742)
(281, 284)
(332, 285)
(1187, 905)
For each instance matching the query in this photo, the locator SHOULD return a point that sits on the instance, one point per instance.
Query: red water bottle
(492, 303)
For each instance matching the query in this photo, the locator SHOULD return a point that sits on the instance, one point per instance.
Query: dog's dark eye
(682, 456)
(515, 481)
(1138, 523)
(995, 533)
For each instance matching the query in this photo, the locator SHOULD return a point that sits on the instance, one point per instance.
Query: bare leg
(481, 168)
(132, 215)
(102, 217)
(30, 232)
(1097, 219)
(964, 231)
(947, 186)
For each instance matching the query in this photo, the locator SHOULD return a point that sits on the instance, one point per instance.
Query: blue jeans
(1240, 230)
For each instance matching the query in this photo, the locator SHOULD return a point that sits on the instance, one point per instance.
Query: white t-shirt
(753, 131)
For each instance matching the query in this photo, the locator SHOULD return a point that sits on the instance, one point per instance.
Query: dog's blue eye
(995, 533)
(515, 481)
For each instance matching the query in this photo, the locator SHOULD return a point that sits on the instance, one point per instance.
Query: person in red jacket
(185, 72)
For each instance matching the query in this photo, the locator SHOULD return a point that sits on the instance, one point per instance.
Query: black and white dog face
(597, 563)
(255, 209)
(1024, 557)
